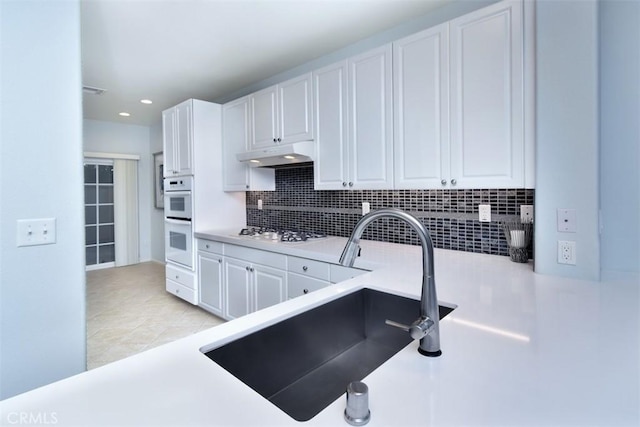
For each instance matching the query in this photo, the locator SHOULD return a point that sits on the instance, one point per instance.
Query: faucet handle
(418, 329)
(397, 325)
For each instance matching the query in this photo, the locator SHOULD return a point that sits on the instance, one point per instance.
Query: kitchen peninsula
(519, 349)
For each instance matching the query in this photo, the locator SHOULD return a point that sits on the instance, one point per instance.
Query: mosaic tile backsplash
(451, 216)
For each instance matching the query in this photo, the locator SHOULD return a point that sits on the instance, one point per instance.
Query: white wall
(567, 133)
(157, 215)
(42, 302)
(120, 138)
(620, 134)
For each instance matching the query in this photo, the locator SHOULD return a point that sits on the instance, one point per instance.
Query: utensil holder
(518, 237)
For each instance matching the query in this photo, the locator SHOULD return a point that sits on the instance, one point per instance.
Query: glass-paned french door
(99, 213)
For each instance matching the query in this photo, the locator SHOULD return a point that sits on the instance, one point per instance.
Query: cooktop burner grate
(282, 235)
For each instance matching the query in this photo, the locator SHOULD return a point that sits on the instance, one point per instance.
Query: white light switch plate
(484, 213)
(32, 232)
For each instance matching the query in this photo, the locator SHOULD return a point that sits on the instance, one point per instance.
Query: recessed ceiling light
(124, 114)
(254, 161)
(146, 101)
(289, 157)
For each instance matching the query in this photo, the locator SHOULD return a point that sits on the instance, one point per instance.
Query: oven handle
(177, 221)
(169, 193)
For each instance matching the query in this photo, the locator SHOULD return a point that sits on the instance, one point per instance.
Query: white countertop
(520, 349)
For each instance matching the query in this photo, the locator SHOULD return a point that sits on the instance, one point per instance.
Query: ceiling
(171, 50)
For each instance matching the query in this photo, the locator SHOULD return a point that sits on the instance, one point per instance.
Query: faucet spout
(427, 327)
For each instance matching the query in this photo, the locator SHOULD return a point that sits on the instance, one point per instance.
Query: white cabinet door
(250, 287)
(211, 283)
(236, 139)
(238, 286)
(354, 123)
(298, 285)
(177, 134)
(282, 114)
(264, 117)
(331, 163)
(168, 136)
(184, 143)
(421, 109)
(487, 139)
(270, 286)
(371, 120)
(294, 113)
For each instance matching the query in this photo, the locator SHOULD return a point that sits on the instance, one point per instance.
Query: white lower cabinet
(250, 287)
(211, 283)
(235, 280)
(253, 280)
(307, 275)
(237, 288)
(210, 277)
(299, 285)
(181, 283)
(270, 286)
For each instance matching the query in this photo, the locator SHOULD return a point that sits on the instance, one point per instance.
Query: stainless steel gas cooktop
(281, 235)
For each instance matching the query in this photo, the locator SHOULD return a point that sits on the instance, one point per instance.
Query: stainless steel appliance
(178, 209)
(298, 152)
(280, 235)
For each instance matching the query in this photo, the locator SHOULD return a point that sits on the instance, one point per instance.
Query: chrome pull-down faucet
(427, 327)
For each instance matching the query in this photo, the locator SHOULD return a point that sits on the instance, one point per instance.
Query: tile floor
(129, 311)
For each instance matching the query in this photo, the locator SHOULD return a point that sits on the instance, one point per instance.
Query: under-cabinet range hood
(285, 154)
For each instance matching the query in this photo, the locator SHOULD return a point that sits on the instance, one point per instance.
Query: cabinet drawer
(184, 277)
(340, 273)
(298, 285)
(187, 294)
(210, 246)
(257, 256)
(309, 267)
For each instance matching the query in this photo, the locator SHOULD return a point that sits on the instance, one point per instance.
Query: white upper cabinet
(487, 103)
(354, 123)
(371, 119)
(295, 115)
(264, 117)
(281, 114)
(331, 164)
(178, 140)
(236, 133)
(421, 109)
(459, 104)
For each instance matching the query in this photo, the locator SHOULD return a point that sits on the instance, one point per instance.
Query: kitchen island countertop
(520, 349)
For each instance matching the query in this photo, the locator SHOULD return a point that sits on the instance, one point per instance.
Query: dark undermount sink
(304, 363)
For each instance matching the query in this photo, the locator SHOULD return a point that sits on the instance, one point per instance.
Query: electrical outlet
(366, 208)
(526, 214)
(484, 213)
(259, 204)
(566, 252)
